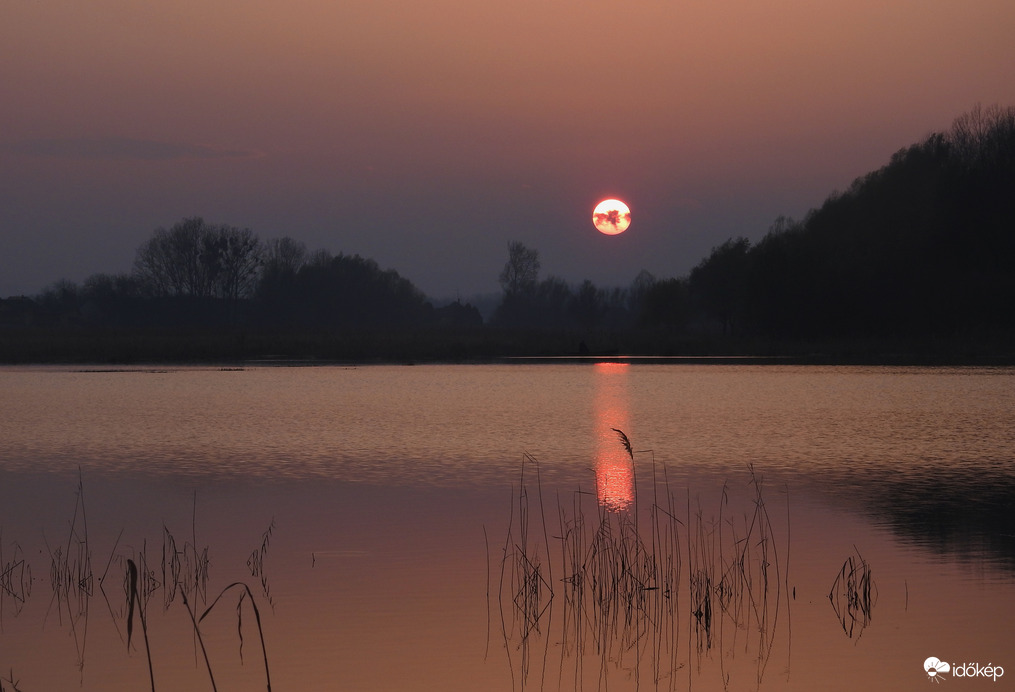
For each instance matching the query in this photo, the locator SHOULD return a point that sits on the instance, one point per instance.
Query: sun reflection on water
(614, 466)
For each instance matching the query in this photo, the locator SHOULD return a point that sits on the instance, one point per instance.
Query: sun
(611, 216)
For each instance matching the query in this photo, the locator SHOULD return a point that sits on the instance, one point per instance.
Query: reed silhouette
(632, 583)
(853, 595)
(130, 583)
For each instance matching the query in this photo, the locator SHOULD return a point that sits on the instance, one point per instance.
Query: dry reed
(621, 578)
(184, 573)
(853, 595)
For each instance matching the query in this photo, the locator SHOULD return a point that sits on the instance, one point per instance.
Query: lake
(600, 525)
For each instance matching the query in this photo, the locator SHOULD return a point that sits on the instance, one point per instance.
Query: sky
(427, 136)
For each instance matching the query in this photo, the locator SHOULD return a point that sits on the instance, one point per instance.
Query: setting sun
(611, 216)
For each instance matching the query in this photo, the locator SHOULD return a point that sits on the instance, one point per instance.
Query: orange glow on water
(614, 466)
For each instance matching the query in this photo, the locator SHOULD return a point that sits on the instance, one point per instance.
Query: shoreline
(241, 347)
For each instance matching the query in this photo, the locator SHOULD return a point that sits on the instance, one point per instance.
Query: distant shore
(477, 345)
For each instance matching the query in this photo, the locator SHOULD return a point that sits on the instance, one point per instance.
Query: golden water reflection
(614, 465)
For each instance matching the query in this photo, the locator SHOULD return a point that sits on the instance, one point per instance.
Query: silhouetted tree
(112, 300)
(519, 280)
(60, 302)
(238, 260)
(60, 296)
(637, 290)
(284, 255)
(197, 260)
(174, 262)
(588, 306)
(616, 311)
(665, 303)
(922, 246)
(551, 304)
(457, 314)
(18, 311)
(984, 138)
(276, 296)
(719, 282)
(779, 292)
(521, 271)
(348, 290)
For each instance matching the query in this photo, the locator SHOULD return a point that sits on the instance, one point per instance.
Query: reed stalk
(622, 583)
(134, 600)
(854, 594)
(245, 595)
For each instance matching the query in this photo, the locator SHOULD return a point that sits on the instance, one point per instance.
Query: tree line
(206, 275)
(202, 274)
(528, 301)
(922, 247)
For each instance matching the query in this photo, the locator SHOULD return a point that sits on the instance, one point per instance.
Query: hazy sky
(427, 135)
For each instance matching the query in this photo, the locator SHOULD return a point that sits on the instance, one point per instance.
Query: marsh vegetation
(131, 584)
(658, 580)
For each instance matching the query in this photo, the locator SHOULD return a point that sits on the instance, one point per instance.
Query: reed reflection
(614, 466)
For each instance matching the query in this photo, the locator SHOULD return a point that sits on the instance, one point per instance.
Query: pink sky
(429, 135)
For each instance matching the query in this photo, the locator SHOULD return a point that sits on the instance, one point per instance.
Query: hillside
(922, 247)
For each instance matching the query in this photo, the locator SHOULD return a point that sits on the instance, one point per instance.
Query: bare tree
(199, 260)
(521, 272)
(239, 259)
(985, 136)
(170, 263)
(284, 255)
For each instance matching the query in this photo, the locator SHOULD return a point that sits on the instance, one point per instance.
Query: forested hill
(923, 247)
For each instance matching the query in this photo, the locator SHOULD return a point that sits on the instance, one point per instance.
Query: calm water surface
(475, 527)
